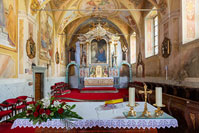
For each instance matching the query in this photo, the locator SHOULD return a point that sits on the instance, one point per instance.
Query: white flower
(29, 107)
(46, 102)
(64, 107)
(56, 103)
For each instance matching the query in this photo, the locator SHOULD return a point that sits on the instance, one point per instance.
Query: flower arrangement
(47, 108)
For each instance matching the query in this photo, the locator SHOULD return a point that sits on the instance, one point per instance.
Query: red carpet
(99, 90)
(75, 95)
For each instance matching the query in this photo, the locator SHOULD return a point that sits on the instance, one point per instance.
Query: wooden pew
(181, 102)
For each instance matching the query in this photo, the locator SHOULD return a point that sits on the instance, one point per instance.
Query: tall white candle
(158, 96)
(132, 96)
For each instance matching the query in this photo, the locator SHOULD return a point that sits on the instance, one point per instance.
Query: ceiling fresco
(97, 8)
(92, 7)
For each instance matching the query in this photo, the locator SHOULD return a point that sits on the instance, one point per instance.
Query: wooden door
(38, 86)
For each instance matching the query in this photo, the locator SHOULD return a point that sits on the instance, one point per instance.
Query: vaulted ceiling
(85, 8)
(70, 14)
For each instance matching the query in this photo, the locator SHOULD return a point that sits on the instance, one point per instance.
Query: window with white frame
(133, 48)
(190, 20)
(151, 34)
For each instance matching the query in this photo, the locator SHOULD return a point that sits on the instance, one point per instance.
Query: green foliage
(47, 109)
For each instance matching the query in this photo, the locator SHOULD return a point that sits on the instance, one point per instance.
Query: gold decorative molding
(34, 6)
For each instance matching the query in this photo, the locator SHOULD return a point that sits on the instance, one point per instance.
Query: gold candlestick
(132, 112)
(145, 92)
(158, 111)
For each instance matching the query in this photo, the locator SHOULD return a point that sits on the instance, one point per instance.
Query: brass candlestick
(132, 112)
(145, 92)
(158, 111)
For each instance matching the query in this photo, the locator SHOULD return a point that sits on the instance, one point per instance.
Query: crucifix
(145, 92)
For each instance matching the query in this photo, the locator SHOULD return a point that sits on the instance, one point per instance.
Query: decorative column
(87, 53)
(110, 56)
(81, 48)
(115, 56)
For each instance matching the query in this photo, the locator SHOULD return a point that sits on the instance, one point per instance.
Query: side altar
(98, 57)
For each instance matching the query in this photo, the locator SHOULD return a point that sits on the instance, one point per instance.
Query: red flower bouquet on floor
(48, 108)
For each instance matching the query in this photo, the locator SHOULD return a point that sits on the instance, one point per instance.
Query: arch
(67, 70)
(90, 20)
(130, 70)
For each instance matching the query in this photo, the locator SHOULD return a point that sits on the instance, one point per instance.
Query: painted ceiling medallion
(98, 7)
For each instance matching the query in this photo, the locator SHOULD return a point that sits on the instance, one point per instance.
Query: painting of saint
(98, 51)
(8, 20)
(46, 47)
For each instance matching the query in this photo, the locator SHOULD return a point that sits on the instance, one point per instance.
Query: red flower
(63, 103)
(41, 111)
(48, 111)
(38, 107)
(29, 111)
(53, 101)
(36, 114)
(61, 110)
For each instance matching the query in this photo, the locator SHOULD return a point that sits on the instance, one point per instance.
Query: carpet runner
(99, 90)
(77, 96)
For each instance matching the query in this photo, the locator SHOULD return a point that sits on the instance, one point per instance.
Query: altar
(98, 60)
(95, 114)
(98, 82)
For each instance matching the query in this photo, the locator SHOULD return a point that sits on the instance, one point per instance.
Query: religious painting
(9, 22)
(93, 6)
(7, 66)
(98, 51)
(81, 72)
(57, 57)
(46, 36)
(30, 48)
(190, 16)
(63, 51)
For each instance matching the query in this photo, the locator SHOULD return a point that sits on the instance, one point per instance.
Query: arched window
(190, 20)
(151, 34)
(133, 48)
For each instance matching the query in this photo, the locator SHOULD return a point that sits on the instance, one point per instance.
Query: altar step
(99, 90)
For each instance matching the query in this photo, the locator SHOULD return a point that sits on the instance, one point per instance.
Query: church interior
(91, 52)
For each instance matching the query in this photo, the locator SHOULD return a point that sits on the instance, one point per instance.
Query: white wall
(12, 88)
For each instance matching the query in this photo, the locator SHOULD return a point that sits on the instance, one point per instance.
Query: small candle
(158, 96)
(166, 69)
(132, 96)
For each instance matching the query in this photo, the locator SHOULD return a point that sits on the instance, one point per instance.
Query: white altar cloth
(94, 115)
(98, 81)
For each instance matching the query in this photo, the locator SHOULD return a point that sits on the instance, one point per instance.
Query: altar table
(98, 81)
(96, 115)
